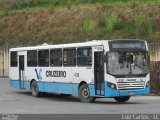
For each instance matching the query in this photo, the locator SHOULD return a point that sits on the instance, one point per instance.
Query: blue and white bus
(115, 69)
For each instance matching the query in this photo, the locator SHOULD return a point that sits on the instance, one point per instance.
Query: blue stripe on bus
(53, 87)
(72, 88)
(16, 84)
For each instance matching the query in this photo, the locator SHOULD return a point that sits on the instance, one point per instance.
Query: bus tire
(122, 99)
(34, 90)
(84, 94)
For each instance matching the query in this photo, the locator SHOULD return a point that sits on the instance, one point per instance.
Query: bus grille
(130, 85)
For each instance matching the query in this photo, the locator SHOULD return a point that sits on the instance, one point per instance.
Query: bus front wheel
(122, 99)
(84, 94)
(34, 89)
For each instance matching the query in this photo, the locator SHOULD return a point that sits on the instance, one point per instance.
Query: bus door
(21, 71)
(99, 72)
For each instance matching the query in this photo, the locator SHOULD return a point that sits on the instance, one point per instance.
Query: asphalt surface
(21, 102)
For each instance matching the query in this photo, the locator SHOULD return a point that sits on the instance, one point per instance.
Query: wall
(4, 60)
(154, 50)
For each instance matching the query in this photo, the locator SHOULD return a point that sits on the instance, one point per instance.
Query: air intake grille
(130, 85)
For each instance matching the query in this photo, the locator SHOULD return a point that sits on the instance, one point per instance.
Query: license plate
(131, 93)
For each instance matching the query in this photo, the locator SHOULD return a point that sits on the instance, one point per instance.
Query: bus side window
(43, 58)
(14, 59)
(69, 57)
(32, 58)
(84, 56)
(55, 57)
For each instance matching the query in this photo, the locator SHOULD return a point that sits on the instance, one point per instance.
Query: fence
(154, 50)
(4, 60)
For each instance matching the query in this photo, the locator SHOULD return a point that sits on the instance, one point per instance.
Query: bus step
(99, 96)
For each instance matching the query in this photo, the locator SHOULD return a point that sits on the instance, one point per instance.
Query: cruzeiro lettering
(55, 73)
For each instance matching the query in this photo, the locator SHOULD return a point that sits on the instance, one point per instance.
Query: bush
(18, 4)
(143, 25)
(89, 24)
(110, 22)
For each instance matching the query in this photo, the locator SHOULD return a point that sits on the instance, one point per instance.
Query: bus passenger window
(43, 58)
(84, 56)
(14, 59)
(32, 58)
(55, 57)
(69, 57)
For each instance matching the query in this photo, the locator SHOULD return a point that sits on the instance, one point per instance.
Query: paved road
(16, 101)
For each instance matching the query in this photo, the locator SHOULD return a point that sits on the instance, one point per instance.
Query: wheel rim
(85, 93)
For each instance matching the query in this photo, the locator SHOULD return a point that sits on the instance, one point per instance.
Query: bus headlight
(111, 85)
(148, 83)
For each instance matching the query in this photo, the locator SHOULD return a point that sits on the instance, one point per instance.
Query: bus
(94, 69)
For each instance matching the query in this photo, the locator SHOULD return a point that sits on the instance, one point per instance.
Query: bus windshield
(127, 63)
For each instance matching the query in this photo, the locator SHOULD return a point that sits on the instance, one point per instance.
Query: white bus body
(107, 68)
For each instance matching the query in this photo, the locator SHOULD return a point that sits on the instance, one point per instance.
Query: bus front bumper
(109, 92)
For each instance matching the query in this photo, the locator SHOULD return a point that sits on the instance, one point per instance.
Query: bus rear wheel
(122, 99)
(34, 90)
(84, 94)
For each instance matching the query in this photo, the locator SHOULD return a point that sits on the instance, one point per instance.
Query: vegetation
(19, 4)
(28, 22)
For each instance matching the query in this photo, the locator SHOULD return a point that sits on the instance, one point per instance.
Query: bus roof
(68, 45)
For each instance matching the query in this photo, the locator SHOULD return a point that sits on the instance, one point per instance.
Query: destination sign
(127, 44)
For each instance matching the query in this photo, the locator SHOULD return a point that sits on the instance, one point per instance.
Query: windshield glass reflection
(127, 63)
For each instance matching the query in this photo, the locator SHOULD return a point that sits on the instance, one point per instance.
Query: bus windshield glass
(127, 63)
